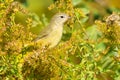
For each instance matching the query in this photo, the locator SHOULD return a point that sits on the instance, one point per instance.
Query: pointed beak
(69, 17)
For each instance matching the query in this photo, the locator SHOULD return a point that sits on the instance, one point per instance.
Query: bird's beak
(69, 17)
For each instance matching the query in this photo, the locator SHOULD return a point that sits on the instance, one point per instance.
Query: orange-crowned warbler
(52, 34)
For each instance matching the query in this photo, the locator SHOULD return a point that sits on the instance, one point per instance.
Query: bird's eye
(62, 16)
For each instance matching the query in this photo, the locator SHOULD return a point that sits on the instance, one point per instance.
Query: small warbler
(52, 34)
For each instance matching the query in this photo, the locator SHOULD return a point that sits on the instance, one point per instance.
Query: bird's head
(60, 18)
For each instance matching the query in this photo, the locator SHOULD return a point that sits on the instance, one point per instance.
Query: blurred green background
(94, 10)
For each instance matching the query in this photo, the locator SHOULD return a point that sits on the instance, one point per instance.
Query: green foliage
(87, 51)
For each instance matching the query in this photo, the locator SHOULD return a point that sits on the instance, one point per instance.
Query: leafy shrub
(86, 52)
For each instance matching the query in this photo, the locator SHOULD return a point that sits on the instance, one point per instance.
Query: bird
(52, 34)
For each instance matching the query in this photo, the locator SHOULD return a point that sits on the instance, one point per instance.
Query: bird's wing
(43, 34)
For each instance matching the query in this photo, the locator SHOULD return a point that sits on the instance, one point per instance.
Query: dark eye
(62, 16)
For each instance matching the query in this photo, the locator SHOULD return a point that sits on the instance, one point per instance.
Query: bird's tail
(28, 47)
